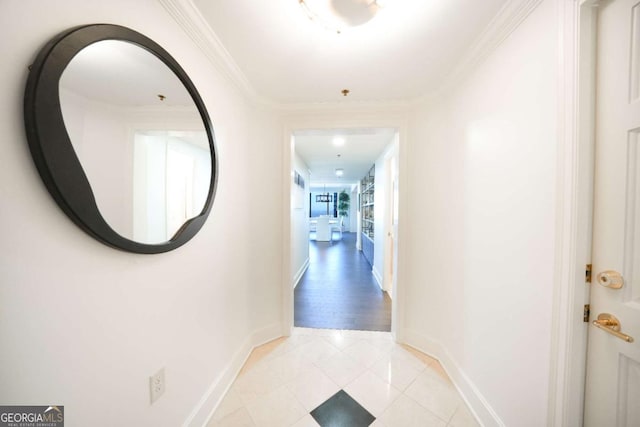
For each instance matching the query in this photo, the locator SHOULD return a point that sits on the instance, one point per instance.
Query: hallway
(492, 108)
(338, 290)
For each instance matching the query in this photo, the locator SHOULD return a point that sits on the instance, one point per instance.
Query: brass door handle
(610, 323)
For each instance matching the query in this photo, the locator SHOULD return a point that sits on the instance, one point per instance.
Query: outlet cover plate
(156, 385)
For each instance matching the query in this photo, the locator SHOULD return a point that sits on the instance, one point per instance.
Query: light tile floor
(285, 379)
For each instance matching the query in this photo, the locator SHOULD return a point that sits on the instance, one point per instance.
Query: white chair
(323, 229)
(338, 227)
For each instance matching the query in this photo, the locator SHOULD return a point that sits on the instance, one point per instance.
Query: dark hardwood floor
(338, 290)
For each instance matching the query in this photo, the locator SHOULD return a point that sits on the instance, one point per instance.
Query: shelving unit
(367, 209)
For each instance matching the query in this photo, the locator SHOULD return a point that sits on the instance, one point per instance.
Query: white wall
(85, 325)
(481, 241)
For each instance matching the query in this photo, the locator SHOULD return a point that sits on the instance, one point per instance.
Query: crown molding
(187, 15)
(345, 107)
(506, 21)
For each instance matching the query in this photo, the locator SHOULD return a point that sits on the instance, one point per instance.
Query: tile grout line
(362, 339)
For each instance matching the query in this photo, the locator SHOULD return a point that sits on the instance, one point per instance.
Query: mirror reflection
(139, 137)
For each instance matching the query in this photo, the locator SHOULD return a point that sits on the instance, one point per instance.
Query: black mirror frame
(53, 153)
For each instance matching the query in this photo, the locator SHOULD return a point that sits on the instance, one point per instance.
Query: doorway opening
(343, 227)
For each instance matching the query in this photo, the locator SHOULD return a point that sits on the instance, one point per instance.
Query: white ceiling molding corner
(507, 20)
(189, 18)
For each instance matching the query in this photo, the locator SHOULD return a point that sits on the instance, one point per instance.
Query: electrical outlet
(157, 385)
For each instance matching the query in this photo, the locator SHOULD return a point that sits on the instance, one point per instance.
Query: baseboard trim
(220, 386)
(300, 273)
(377, 276)
(476, 402)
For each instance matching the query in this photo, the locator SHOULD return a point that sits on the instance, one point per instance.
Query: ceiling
(404, 53)
(360, 150)
(120, 73)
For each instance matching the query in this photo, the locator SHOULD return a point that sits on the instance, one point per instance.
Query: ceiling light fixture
(339, 172)
(338, 141)
(335, 15)
(324, 198)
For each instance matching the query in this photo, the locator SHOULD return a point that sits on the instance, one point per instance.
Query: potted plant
(344, 201)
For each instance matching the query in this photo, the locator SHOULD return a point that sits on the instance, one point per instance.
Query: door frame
(574, 200)
(331, 117)
(390, 261)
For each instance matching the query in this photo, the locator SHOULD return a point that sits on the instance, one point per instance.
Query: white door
(612, 392)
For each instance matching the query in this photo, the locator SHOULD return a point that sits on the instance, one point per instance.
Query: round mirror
(121, 138)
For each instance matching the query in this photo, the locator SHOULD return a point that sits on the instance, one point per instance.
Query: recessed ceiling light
(339, 172)
(338, 141)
